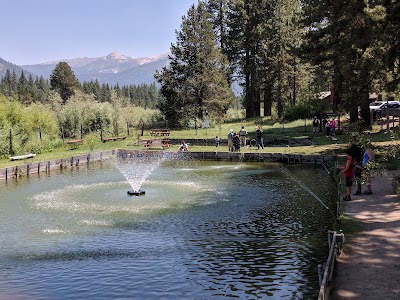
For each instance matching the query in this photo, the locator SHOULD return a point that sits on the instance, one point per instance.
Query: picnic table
(160, 131)
(163, 143)
(74, 143)
(115, 138)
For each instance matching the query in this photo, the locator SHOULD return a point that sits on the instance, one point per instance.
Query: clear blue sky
(37, 31)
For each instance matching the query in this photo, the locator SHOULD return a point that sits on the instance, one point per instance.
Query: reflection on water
(202, 231)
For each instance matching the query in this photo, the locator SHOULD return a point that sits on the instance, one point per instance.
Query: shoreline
(26, 169)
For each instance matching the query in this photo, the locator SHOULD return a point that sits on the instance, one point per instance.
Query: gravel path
(369, 266)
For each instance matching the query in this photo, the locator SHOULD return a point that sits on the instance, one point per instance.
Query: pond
(203, 230)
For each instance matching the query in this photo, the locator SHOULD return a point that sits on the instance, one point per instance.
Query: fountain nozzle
(136, 192)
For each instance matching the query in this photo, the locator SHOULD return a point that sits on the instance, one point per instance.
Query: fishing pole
(284, 171)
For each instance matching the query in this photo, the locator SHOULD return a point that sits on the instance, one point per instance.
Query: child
(183, 147)
(348, 172)
(216, 141)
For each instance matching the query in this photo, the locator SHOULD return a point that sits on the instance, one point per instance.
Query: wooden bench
(116, 138)
(74, 143)
(18, 157)
(160, 131)
(164, 143)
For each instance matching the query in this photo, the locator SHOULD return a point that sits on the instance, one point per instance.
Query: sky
(38, 31)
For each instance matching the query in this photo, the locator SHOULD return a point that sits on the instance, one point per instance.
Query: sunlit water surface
(204, 230)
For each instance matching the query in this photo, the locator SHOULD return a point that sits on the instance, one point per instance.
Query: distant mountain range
(112, 69)
(5, 65)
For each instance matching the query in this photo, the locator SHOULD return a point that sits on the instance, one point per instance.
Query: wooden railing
(325, 271)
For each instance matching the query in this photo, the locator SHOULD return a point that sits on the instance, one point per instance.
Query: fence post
(127, 128)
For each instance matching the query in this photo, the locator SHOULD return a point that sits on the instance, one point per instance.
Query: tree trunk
(365, 111)
(336, 89)
(267, 100)
(279, 95)
(248, 100)
(257, 102)
(294, 83)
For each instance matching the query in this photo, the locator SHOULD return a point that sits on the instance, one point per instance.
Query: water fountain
(136, 167)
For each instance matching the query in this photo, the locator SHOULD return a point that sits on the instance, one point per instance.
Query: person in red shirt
(348, 172)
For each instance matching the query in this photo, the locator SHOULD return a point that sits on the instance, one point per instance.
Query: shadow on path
(369, 268)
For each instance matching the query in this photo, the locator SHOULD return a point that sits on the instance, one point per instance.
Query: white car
(373, 106)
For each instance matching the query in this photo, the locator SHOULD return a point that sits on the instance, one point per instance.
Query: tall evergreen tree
(196, 79)
(7, 84)
(43, 90)
(24, 89)
(63, 80)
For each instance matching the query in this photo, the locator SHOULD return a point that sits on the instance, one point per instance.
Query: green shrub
(91, 139)
(305, 110)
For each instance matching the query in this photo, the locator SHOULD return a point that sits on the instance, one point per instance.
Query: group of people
(235, 140)
(238, 139)
(357, 168)
(328, 125)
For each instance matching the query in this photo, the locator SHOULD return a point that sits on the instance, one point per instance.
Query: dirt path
(369, 266)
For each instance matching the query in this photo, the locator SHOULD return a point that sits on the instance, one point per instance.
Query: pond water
(204, 230)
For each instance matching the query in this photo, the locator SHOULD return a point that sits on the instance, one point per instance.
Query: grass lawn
(295, 130)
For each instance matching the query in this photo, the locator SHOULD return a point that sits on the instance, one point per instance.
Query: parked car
(388, 109)
(375, 105)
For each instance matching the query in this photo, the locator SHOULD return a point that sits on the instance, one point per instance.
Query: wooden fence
(325, 271)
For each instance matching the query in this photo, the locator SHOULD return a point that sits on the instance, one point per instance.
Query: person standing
(259, 138)
(348, 172)
(358, 170)
(328, 128)
(230, 140)
(333, 126)
(315, 126)
(236, 142)
(368, 157)
(356, 152)
(242, 136)
(216, 141)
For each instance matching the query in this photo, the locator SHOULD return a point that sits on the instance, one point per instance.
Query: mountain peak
(116, 55)
(112, 68)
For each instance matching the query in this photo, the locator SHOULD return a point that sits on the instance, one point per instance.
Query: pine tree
(63, 80)
(6, 84)
(196, 79)
(43, 90)
(24, 90)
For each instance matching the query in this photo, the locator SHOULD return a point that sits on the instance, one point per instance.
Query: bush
(305, 110)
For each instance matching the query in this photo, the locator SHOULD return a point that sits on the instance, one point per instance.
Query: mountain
(5, 65)
(112, 69)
